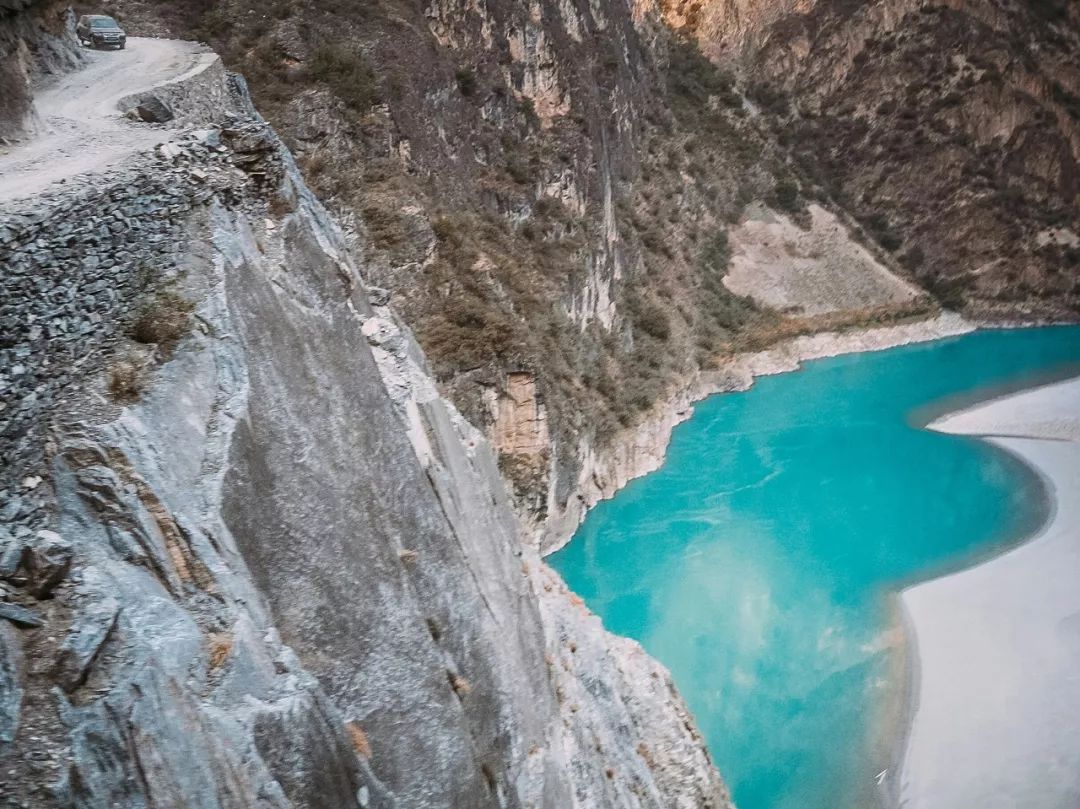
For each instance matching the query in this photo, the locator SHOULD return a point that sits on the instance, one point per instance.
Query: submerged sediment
(994, 697)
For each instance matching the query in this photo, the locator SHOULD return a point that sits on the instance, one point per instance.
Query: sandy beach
(996, 720)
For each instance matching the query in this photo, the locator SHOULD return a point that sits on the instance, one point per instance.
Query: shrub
(162, 321)
(220, 646)
(693, 80)
(385, 224)
(890, 241)
(1050, 10)
(460, 685)
(358, 739)
(518, 170)
(346, 72)
(126, 379)
(786, 196)
(653, 320)
(913, 258)
(466, 81)
(716, 254)
(769, 98)
(949, 291)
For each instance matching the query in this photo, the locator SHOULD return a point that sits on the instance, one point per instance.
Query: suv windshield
(103, 22)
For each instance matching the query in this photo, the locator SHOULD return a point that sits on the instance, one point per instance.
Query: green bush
(716, 254)
(653, 320)
(466, 81)
(786, 196)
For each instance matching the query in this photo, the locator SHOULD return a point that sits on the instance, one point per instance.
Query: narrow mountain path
(81, 127)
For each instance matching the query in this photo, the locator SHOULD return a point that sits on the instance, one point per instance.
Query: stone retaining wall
(202, 94)
(77, 264)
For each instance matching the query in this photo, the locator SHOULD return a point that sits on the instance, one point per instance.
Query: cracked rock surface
(275, 567)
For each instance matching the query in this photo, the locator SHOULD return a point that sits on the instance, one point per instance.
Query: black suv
(99, 31)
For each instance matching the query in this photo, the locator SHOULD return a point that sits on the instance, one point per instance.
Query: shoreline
(643, 449)
(990, 669)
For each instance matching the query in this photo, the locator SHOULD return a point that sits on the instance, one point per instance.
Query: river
(761, 562)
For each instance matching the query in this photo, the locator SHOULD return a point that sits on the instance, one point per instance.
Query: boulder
(46, 560)
(153, 110)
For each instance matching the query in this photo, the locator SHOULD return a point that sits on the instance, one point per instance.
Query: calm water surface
(757, 564)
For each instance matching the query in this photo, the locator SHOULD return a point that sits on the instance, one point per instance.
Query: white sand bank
(997, 719)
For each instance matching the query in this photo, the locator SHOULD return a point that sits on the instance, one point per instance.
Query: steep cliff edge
(250, 556)
(572, 203)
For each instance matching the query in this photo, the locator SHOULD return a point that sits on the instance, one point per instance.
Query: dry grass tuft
(162, 321)
(358, 739)
(646, 755)
(221, 644)
(126, 379)
(460, 685)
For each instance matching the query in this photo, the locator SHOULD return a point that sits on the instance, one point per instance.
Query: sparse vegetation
(126, 379)
(162, 321)
(466, 81)
(461, 686)
(358, 739)
(347, 73)
(716, 255)
(219, 647)
(785, 196)
(693, 80)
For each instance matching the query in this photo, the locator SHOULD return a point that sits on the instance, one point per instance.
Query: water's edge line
(911, 635)
(788, 356)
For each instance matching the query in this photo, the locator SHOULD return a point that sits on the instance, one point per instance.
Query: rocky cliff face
(551, 193)
(541, 188)
(33, 44)
(950, 129)
(250, 556)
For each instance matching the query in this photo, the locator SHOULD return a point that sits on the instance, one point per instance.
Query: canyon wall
(949, 128)
(250, 556)
(551, 193)
(34, 43)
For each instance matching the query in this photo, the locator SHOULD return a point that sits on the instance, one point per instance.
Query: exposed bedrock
(36, 39)
(253, 558)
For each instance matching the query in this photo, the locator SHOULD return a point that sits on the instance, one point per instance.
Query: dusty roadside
(83, 128)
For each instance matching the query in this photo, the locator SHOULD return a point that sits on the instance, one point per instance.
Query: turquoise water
(757, 563)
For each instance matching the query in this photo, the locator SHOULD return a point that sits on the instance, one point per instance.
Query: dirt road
(82, 128)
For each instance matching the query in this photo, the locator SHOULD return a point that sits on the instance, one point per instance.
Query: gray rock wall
(36, 40)
(287, 573)
(196, 97)
(77, 263)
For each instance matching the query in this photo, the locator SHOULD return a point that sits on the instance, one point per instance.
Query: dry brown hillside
(950, 129)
